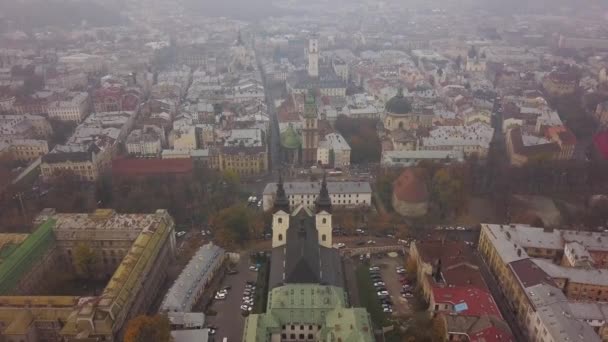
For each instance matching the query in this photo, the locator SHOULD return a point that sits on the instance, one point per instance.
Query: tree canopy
(148, 328)
(362, 137)
(84, 261)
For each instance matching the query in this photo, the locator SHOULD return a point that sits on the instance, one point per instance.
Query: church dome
(290, 139)
(398, 104)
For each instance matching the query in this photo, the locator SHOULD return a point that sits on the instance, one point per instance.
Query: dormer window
(324, 220)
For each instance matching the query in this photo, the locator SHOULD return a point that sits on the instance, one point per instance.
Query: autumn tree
(439, 329)
(148, 328)
(84, 261)
(448, 192)
(235, 225)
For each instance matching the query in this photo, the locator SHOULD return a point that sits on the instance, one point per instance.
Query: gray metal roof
(313, 188)
(183, 293)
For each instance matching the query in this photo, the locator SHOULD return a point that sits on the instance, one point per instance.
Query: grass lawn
(368, 298)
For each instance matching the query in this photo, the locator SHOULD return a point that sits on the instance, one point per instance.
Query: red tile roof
(600, 141)
(411, 186)
(492, 334)
(529, 274)
(142, 167)
(474, 301)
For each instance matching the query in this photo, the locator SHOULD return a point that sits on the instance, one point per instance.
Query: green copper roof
(290, 139)
(21, 260)
(310, 304)
(398, 104)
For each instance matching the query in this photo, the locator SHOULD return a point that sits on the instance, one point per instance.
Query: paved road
(274, 122)
(228, 319)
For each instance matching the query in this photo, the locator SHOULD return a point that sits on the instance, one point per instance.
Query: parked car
(382, 293)
(220, 296)
(180, 234)
(371, 242)
(246, 308)
(374, 268)
(253, 268)
(380, 283)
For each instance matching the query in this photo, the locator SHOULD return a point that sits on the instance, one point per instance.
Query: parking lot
(228, 318)
(393, 285)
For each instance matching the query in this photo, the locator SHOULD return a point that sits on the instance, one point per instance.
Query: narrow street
(500, 299)
(274, 145)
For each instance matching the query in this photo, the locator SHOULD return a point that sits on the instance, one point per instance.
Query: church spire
(323, 202)
(281, 202)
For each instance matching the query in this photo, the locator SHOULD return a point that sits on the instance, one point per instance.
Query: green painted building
(307, 301)
(308, 312)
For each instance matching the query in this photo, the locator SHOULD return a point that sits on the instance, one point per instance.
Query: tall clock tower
(313, 56)
(310, 130)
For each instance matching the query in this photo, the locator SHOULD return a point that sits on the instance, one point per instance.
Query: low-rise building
(74, 107)
(334, 151)
(26, 149)
(342, 194)
(194, 279)
(472, 139)
(412, 158)
(145, 142)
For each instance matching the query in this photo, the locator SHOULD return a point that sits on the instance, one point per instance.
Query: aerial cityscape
(303, 171)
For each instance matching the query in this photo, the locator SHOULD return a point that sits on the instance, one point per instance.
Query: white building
(334, 151)
(193, 281)
(342, 194)
(74, 108)
(146, 141)
(412, 158)
(470, 139)
(551, 318)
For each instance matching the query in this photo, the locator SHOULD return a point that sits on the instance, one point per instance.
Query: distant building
(601, 114)
(145, 142)
(342, 194)
(399, 114)
(334, 151)
(412, 158)
(179, 168)
(72, 108)
(561, 82)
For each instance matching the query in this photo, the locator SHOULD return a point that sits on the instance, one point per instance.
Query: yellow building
(245, 161)
(27, 149)
(28, 318)
(521, 257)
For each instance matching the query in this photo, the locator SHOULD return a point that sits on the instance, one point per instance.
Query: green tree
(148, 328)
(448, 192)
(236, 224)
(84, 261)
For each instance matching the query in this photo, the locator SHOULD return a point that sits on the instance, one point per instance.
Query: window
(280, 220)
(302, 328)
(310, 337)
(324, 220)
(301, 336)
(323, 237)
(280, 237)
(292, 336)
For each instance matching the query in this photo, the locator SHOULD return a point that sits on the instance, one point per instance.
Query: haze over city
(303, 171)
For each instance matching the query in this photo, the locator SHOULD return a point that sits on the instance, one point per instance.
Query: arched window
(324, 220)
(323, 237)
(280, 220)
(280, 237)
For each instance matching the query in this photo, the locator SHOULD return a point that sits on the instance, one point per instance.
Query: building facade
(127, 247)
(342, 194)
